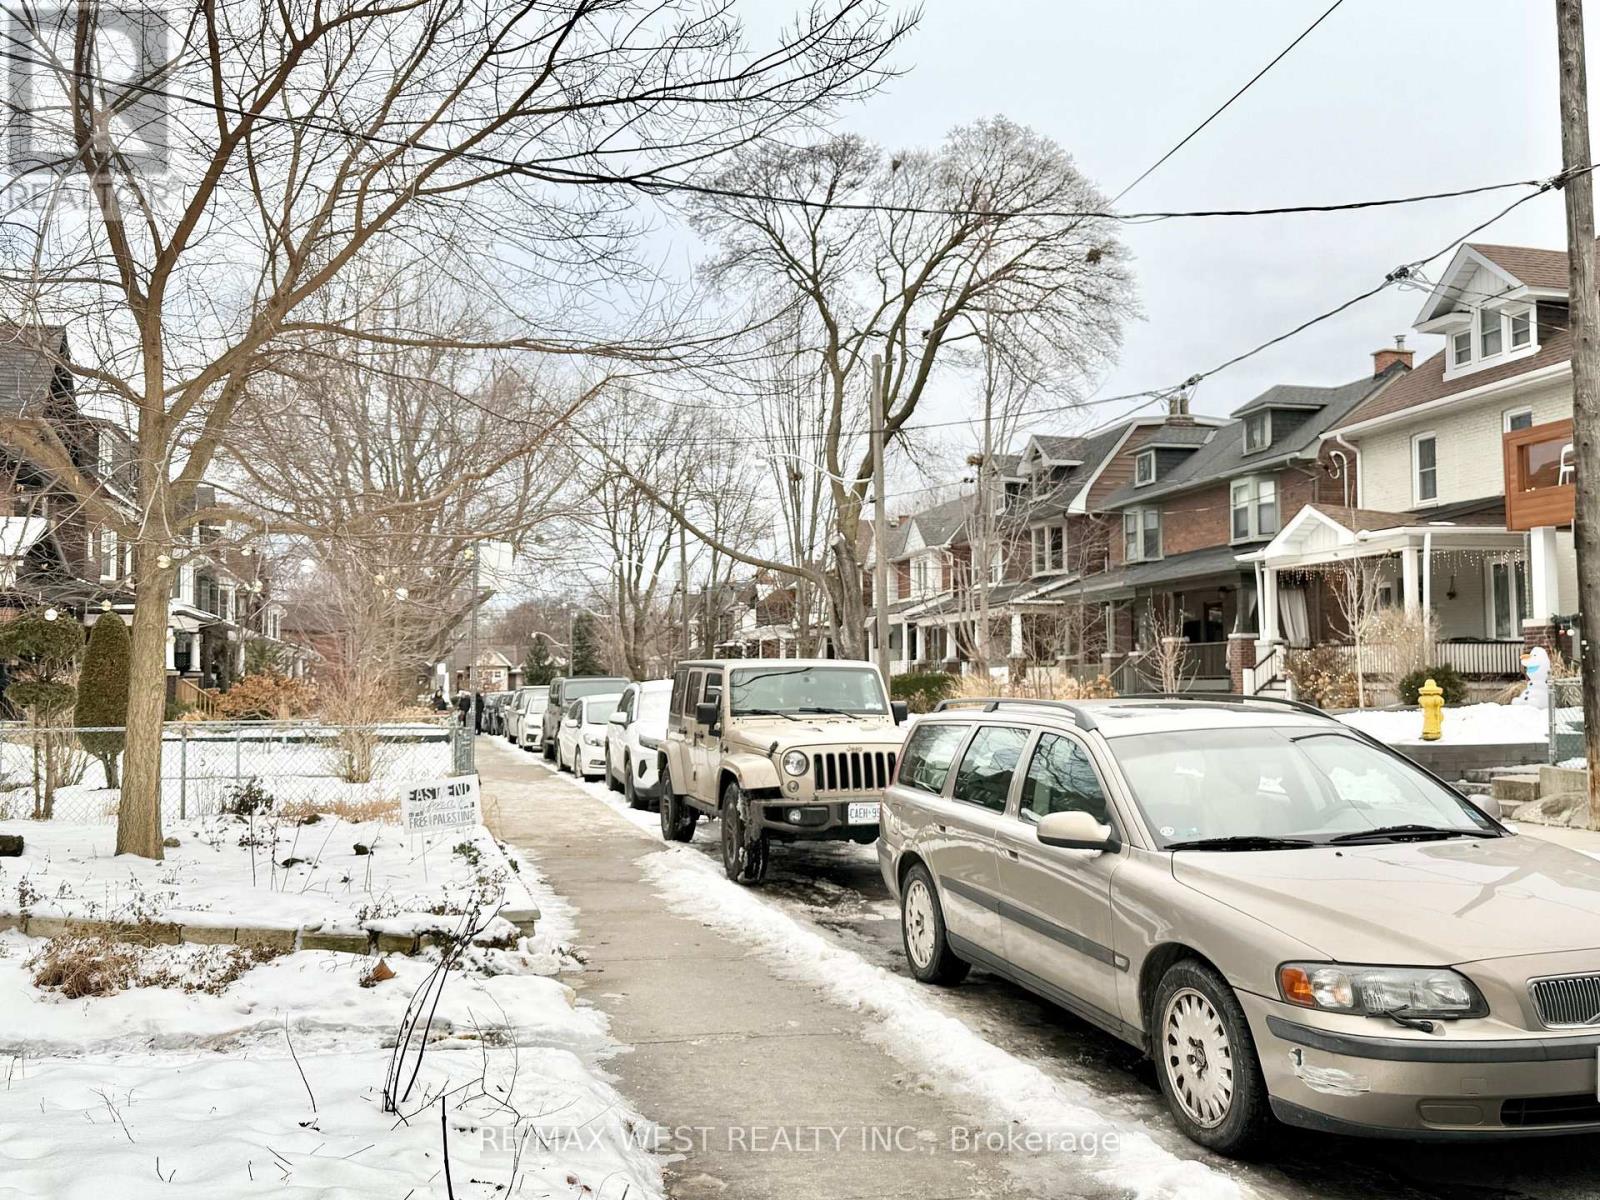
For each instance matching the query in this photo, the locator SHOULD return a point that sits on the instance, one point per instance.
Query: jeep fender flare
(752, 772)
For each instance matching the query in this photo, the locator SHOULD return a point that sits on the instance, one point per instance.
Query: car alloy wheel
(919, 924)
(1197, 1055)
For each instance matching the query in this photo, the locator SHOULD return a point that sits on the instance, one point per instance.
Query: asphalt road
(838, 888)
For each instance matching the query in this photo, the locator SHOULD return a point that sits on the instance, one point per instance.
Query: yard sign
(440, 804)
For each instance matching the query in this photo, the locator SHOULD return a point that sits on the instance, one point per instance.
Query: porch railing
(1268, 670)
(190, 695)
(1206, 660)
(1469, 658)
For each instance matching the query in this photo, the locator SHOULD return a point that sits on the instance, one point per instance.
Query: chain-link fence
(1566, 719)
(70, 774)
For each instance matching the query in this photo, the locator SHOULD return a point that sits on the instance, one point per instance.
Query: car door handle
(1010, 853)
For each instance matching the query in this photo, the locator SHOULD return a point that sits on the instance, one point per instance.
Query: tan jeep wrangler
(781, 749)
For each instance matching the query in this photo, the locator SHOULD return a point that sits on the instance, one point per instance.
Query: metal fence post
(183, 772)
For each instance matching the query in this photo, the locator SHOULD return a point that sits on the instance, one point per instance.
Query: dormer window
(1490, 335)
(1144, 468)
(1521, 329)
(1257, 431)
(1461, 348)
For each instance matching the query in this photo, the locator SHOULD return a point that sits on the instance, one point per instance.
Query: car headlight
(1380, 991)
(648, 742)
(796, 763)
(593, 739)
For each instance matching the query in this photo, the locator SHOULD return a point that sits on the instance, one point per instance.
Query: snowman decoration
(1536, 665)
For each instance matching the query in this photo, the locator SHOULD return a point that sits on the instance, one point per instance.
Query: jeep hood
(1412, 903)
(807, 731)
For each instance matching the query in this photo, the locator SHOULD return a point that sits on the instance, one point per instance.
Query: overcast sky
(1383, 99)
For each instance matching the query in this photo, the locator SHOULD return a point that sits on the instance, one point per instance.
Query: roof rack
(1080, 715)
(1232, 698)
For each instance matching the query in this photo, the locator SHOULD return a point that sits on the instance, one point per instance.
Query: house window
(1461, 348)
(106, 456)
(1144, 467)
(1425, 468)
(1521, 329)
(1254, 506)
(1509, 599)
(1141, 534)
(108, 554)
(1489, 333)
(1257, 432)
(1049, 548)
(1518, 418)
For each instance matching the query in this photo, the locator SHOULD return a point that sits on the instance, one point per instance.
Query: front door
(1057, 903)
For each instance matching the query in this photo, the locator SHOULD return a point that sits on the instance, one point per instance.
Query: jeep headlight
(1381, 991)
(796, 763)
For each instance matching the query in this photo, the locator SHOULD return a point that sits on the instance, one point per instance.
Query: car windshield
(654, 706)
(598, 711)
(806, 690)
(575, 689)
(1282, 783)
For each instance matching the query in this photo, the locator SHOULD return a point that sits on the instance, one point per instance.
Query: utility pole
(683, 583)
(880, 534)
(1579, 190)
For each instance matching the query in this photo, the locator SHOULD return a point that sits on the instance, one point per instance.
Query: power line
(1251, 82)
(651, 183)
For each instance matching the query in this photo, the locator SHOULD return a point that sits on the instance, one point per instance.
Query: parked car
(494, 711)
(1292, 919)
(527, 716)
(563, 691)
(634, 737)
(581, 736)
(780, 750)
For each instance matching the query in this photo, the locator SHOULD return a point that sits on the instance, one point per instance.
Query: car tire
(744, 859)
(677, 818)
(922, 932)
(1206, 1060)
(612, 782)
(629, 791)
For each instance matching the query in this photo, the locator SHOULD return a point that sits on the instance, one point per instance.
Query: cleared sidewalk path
(773, 1087)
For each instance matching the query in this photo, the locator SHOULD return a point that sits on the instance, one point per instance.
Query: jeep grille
(852, 770)
(1565, 1001)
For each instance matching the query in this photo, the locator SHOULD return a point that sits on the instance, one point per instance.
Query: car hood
(808, 731)
(1422, 903)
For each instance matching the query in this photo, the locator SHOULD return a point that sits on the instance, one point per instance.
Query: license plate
(862, 814)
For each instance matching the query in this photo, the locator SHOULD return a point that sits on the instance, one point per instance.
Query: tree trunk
(849, 603)
(139, 818)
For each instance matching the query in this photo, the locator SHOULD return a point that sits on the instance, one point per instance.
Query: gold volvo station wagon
(1291, 919)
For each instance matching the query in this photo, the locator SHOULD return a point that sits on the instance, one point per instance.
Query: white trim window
(1144, 468)
(1514, 419)
(108, 554)
(1425, 468)
(1257, 431)
(1507, 598)
(1461, 348)
(1141, 534)
(1521, 330)
(1491, 333)
(1049, 544)
(1253, 508)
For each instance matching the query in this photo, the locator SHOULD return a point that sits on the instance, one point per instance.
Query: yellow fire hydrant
(1430, 698)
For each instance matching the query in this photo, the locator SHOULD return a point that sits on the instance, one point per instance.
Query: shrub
(265, 697)
(922, 691)
(103, 692)
(1448, 678)
(1322, 676)
(248, 798)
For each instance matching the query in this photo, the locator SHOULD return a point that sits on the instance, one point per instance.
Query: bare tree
(902, 256)
(1167, 664)
(304, 140)
(1357, 588)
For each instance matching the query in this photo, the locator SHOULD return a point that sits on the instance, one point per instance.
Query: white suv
(633, 742)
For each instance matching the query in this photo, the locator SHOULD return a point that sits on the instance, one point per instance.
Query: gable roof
(1531, 266)
(30, 357)
(1223, 457)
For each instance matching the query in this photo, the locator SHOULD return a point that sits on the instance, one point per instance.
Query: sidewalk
(771, 1089)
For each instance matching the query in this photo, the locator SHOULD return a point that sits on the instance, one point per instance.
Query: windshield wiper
(1417, 831)
(765, 712)
(837, 712)
(1250, 841)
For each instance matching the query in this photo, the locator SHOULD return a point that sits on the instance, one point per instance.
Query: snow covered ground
(1470, 724)
(276, 1084)
(229, 871)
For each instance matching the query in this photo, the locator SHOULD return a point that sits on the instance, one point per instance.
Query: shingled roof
(30, 356)
(1530, 265)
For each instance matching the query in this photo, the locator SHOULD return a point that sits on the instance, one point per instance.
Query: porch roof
(1212, 561)
(1325, 533)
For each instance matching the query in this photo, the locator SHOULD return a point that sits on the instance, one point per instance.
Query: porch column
(1427, 572)
(172, 649)
(1269, 604)
(1543, 578)
(1016, 635)
(1408, 581)
(905, 643)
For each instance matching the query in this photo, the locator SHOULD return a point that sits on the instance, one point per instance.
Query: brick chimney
(1382, 360)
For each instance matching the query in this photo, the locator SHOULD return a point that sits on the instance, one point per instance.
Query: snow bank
(1468, 725)
(915, 1031)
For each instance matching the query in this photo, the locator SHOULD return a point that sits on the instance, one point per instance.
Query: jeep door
(705, 747)
(1056, 902)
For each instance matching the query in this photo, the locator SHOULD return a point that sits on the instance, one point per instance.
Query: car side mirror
(1075, 830)
(901, 711)
(1488, 806)
(618, 718)
(707, 713)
